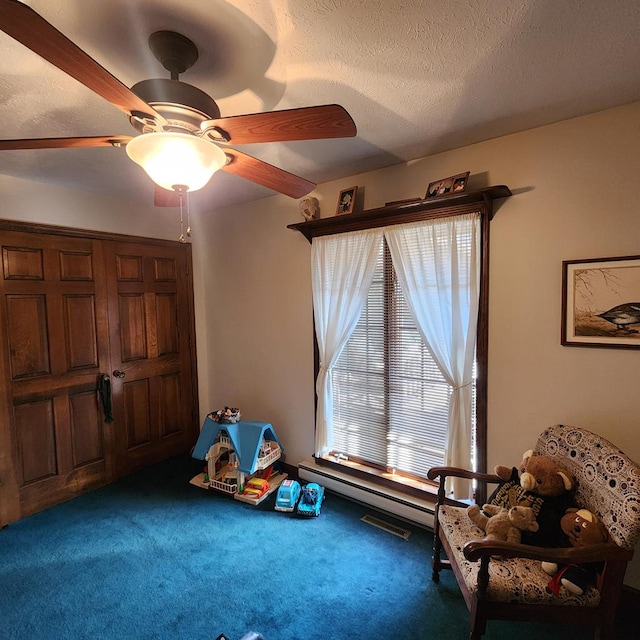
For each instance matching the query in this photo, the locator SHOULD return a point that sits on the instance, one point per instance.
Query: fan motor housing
(182, 105)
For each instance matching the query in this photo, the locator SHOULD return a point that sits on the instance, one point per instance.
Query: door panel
(133, 327)
(167, 324)
(170, 403)
(76, 265)
(36, 440)
(22, 263)
(86, 420)
(53, 313)
(28, 338)
(151, 344)
(137, 421)
(80, 331)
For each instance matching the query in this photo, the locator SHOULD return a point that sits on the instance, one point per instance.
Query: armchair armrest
(477, 549)
(444, 472)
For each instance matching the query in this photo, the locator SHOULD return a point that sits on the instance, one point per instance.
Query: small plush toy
(503, 524)
(228, 415)
(309, 208)
(544, 486)
(581, 528)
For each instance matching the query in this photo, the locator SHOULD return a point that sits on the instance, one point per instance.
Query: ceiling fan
(174, 110)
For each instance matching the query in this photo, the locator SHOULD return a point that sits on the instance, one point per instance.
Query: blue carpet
(155, 557)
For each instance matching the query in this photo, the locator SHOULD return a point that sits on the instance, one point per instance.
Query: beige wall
(37, 202)
(572, 199)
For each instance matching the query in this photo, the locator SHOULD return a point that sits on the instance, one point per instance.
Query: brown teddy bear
(544, 486)
(581, 528)
(503, 524)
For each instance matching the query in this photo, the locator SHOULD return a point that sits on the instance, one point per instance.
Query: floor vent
(386, 526)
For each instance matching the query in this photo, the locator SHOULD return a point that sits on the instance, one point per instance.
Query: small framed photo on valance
(346, 201)
(446, 186)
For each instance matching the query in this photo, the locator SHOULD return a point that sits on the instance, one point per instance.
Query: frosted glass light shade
(176, 159)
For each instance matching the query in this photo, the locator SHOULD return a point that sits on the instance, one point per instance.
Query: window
(341, 272)
(390, 400)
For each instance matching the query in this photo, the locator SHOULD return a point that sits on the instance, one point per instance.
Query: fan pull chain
(182, 191)
(181, 238)
(188, 217)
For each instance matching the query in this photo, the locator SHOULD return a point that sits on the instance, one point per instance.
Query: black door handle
(118, 373)
(104, 389)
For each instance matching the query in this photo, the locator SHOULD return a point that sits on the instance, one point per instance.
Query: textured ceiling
(417, 76)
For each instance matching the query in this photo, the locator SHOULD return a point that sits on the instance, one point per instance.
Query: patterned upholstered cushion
(510, 580)
(608, 482)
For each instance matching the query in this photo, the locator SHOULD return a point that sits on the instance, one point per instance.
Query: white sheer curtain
(342, 269)
(438, 267)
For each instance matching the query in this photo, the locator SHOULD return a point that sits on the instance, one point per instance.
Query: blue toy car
(287, 496)
(311, 500)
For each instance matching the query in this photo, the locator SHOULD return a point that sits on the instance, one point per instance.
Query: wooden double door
(98, 373)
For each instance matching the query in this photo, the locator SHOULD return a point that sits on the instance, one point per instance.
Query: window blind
(391, 401)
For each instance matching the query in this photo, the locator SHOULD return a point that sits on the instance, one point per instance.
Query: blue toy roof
(245, 437)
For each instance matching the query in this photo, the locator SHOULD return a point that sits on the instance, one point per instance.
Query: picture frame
(601, 303)
(346, 201)
(447, 186)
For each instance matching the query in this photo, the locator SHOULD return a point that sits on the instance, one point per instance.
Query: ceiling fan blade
(30, 29)
(306, 123)
(266, 174)
(64, 143)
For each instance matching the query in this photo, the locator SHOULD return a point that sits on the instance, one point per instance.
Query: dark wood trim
(429, 496)
(37, 227)
(454, 204)
(195, 411)
(482, 355)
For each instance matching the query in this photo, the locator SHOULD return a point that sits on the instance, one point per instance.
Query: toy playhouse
(239, 459)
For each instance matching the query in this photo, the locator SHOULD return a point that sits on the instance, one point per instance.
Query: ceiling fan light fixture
(176, 159)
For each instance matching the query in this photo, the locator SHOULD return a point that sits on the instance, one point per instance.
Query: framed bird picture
(601, 303)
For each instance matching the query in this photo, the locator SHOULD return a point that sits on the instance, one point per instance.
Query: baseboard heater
(383, 499)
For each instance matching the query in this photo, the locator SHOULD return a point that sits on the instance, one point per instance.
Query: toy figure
(581, 528)
(311, 500)
(309, 208)
(228, 415)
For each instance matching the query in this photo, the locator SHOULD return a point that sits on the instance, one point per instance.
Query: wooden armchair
(505, 581)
